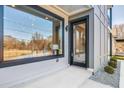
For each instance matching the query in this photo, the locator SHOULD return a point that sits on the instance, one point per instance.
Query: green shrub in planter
(109, 69)
(112, 64)
(113, 59)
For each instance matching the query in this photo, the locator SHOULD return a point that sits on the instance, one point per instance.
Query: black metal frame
(33, 59)
(81, 19)
(119, 40)
(111, 33)
(1, 33)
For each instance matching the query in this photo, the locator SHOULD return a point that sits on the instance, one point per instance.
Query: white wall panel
(100, 33)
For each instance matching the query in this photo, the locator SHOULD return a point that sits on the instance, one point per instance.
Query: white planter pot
(121, 81)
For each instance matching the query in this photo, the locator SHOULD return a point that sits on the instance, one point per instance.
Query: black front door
(79, 42)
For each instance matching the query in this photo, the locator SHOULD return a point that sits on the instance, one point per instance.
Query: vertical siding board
(100, 37)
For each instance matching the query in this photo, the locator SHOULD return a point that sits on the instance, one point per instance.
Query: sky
(118, 14)
(22, 25)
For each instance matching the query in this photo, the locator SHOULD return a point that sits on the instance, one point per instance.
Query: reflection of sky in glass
(22, 25)
(117, 14)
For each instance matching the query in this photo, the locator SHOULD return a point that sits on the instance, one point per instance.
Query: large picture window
(30, 33)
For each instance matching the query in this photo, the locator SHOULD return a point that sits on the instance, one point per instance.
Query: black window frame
(32, 59)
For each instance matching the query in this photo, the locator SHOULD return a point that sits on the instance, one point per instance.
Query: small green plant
(114, 58)
(113, 64)
(109, 69)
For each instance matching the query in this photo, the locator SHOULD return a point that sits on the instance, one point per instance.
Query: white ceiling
(72, 9)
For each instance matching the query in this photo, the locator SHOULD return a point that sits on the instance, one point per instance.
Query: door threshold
(79, 64)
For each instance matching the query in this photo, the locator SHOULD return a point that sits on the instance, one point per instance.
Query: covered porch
(71, 77)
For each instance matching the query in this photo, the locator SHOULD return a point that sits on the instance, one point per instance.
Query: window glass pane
(79, 38)
(79, 31)
(108, 12)
(30, 34)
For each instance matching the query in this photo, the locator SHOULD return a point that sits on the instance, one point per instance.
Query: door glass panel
(79, 42)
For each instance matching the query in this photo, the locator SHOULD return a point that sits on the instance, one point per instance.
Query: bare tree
(37, 42)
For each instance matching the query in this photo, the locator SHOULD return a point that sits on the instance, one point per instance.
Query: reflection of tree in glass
(13, 43)
(38, 43)
(21, 45)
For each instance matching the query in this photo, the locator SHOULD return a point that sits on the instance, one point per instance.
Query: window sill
(28, 60)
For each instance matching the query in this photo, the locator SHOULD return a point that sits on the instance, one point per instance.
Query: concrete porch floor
(72, 77)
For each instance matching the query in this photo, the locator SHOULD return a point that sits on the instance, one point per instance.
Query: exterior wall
(101, 37)
(91, 33)
(121, 77)
(16, 74)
